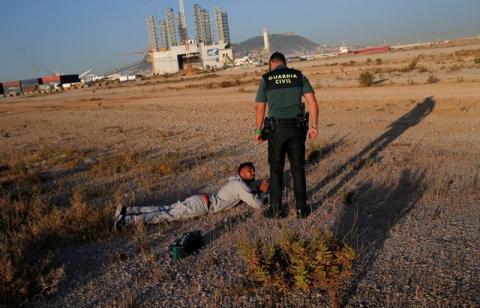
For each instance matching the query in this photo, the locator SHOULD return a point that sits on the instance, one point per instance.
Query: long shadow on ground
(367, 221)
(353, 165)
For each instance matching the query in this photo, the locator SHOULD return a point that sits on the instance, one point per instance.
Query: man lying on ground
(241, 187)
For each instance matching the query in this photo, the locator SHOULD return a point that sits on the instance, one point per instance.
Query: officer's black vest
(283, 78)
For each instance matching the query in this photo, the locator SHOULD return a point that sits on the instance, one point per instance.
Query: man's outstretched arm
(255, 200)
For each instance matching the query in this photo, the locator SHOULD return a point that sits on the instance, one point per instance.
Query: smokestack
(266, 41)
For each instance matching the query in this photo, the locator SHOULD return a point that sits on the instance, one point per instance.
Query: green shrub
(366, 79)
(320, 262)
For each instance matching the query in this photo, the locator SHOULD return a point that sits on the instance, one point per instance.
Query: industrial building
(179, 53)
(197, 55)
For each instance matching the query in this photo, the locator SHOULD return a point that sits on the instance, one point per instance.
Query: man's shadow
(353, 165)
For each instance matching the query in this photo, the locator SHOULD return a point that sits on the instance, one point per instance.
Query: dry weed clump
(422, 69)
(411, 66)
(454, 68)
(320, 262)
(227, 84)
(432, 79)
(366, 79)
(31, 229)
(476, 60)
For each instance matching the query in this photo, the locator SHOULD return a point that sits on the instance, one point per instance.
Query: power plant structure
(266, 42)
(171, 53)
(221, 20)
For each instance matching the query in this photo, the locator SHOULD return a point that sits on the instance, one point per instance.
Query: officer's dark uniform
(283, 89)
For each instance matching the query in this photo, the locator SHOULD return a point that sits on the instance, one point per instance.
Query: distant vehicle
(306, 58)
(243, 61)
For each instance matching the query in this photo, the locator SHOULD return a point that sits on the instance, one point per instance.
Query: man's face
(247, 174)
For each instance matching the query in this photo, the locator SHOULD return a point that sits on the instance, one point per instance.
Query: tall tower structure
(197, 15)
(207, 30)
(170, 23)
(202, 25)
(221, 20)
(164, 34)
(152, 34)
(266, 41)
(182, 24)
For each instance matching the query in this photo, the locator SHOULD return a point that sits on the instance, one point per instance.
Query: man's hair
(277, 56)
(246, 164)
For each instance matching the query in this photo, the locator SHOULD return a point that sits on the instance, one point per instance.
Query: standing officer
(285, 128)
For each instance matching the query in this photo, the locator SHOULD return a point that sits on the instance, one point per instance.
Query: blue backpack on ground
(186, 245)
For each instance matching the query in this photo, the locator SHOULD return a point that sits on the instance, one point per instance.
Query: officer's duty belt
(287, 121)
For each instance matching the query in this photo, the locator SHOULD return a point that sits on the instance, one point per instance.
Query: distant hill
(289, 44)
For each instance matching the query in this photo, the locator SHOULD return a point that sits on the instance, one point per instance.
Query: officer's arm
(261, 102)
(312, 107)
(260, 115)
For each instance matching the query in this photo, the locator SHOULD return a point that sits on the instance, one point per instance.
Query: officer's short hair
(277, 56)
(245, 164)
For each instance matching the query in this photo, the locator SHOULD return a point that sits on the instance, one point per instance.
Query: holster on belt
(268, 127)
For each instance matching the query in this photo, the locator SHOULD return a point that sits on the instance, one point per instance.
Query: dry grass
(432, 79)
(31, 229)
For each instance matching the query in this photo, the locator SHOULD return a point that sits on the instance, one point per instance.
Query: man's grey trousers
(191, 207)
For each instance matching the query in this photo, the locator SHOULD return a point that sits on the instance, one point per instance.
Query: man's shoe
(119, 218)
(303, 213)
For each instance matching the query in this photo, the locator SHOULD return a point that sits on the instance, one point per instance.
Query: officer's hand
(264, 186)
(313, 133)
(259, 139)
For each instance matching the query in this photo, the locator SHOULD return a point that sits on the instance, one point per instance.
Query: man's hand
(313, 133)
(264, 186)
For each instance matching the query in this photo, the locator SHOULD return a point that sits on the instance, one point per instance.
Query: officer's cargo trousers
(191, 207)
(287, 139)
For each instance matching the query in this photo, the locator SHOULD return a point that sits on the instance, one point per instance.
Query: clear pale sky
(68, 36)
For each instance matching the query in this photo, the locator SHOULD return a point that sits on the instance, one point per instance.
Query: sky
(70, 37)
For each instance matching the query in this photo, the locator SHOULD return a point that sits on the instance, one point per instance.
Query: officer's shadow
(366, 222)
(352, 166)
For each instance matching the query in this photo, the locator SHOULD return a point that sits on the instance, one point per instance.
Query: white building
(198, 55)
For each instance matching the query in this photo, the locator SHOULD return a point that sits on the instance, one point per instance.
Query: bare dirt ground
(405, 151)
